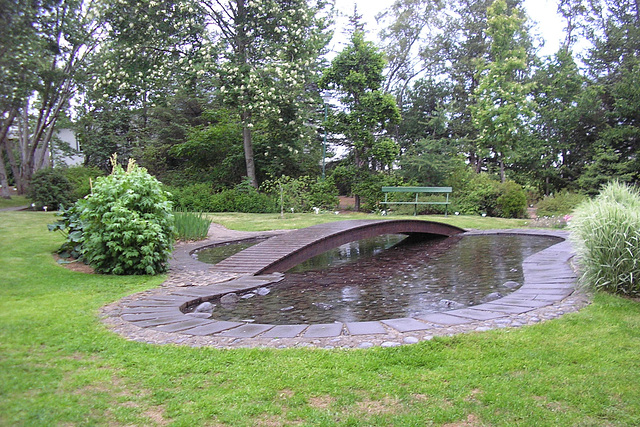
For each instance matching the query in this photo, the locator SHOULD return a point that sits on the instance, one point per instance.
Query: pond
(391, 277)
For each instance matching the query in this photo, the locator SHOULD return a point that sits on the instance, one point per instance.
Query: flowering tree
(47, 48)
(267, 59)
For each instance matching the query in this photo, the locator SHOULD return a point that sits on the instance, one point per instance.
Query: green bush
(369, 188)
(49, 187)
(512, 202)
(559, 204)
(191, 225)
(302, 194)
(128, 223)
(201, 198)
(606, 234)
(476, 194)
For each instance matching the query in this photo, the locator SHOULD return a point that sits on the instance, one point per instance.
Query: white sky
(543, 12)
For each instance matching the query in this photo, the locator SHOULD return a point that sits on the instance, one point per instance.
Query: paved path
(157, 316)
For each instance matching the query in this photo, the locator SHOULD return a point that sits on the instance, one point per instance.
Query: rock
(263, 291)
(390, 344)
(323, 306)
(230, 298)
(287, 308)
(247, 296)
(201, 315)
(491, 297)
(365, 344)
(483, 328)
(428, 338)
(205, 307)
(450, 304)
(511, 284)
(411, 340)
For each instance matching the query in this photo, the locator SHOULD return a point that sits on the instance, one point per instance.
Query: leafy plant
(512, 202)
(561, 203)
(606, 233)
(49, 187)
(80, 178)
(191, 225)
(128, 223)
(71, 226)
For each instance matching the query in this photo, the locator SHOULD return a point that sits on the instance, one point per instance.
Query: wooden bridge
(280, 253)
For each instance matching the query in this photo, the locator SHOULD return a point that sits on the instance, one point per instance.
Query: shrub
(128, 223)
(191, 225)
(194, 197)
(512, 202)
(606, 234)
(476, 194)
(302, 194)
(49, 187)
(561, 203)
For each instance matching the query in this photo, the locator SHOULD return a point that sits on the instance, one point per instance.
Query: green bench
(417, 191)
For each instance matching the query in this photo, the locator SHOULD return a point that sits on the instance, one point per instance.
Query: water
(375, 280)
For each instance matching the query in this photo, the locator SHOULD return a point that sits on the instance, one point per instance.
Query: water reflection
(388, 279)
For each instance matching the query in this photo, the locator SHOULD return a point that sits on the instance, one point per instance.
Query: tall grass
(606, 233)
(191, 225)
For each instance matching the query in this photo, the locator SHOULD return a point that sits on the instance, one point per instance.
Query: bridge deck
(282, 252)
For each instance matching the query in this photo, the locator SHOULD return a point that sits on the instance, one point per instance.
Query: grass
(264, 222)
(60, 366)
(191, 225)
(14, 201)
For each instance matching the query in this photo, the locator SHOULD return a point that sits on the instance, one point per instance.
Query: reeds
(606, 234)
(191, 225)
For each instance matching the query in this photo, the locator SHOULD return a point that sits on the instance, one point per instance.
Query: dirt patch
(471, 421)
(321, 402)
(379, 407)
(73, 264)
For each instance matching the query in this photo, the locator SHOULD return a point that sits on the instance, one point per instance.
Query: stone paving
(156, 316)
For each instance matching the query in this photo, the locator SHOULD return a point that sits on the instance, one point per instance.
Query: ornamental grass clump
(606, 234)
(191, 225)
(128, 223)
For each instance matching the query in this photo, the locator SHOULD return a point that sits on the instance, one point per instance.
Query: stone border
(155, 316)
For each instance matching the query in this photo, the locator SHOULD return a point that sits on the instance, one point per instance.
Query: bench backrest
(416, 189)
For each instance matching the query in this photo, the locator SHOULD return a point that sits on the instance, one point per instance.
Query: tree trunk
(4, 182)
(248, 150)
(503, 177)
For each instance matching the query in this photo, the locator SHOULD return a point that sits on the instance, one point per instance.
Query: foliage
(606, 233)
(191, 225)
(202, 198)
(128, 224)
(71, 226)
(302, 194)
(561, 203)
(42, 69)
(512, 201)
(474, 194)
(369, 187)
(49, 187)
(80, 178)
(502, 106)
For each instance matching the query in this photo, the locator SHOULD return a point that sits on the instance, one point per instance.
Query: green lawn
(60, 366)
(14, 201)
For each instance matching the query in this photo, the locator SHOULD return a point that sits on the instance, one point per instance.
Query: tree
(356, 75)
(268, 57)
(502, 108)
(151, 55)
(43, 66)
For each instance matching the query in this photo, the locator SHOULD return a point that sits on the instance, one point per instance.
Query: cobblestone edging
(154, 316)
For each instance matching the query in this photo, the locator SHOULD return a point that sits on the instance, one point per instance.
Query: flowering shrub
(128, 223)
